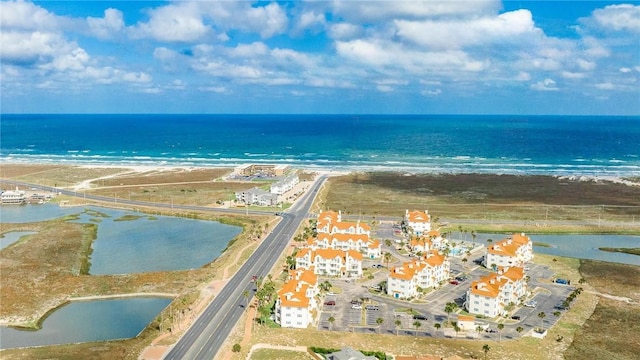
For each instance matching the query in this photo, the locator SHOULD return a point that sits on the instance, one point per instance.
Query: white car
(530, 304)
(356, 307)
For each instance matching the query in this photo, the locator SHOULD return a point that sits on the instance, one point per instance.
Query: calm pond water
(87, 321)
(130, 242)
(577, 246)
(13, 236)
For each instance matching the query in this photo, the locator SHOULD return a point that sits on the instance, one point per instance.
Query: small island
(632, 251)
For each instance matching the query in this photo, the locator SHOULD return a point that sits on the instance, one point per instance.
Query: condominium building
(515, 250)
(330, 262)
(417, 222)
(362, 243)
(490, 295)
(330, 222)
(296, 300)
(257, 196)
(426, 271)
(284, 185)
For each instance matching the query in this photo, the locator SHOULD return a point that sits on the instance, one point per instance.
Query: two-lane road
(207, 334)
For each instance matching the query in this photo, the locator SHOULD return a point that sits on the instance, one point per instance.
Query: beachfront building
(13, 197)
(330, 262)
(515, 250)
(417, 222)
(427, 271)
(285, 184)
(257, 196)
(296, 303)
(490, 295)
(262, 169)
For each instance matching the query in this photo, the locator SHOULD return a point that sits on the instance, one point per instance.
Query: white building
(417, 221)
(284, 185)
(362, 243)
(257, 196)
(330, 222)
(13, 197)
(297, 300)
(426, 271)
(490, 295)
(330, 262)
(427, 241)
(515, 250)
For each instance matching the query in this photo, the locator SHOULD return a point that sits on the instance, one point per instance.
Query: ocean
(551, 145)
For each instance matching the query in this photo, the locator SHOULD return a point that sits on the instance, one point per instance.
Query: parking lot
(358, 307)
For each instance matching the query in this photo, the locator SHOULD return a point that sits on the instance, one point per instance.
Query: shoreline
(329, 171)
(469, 166)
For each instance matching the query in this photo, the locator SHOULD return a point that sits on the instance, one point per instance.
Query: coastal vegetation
(632, 251)
(498, 203)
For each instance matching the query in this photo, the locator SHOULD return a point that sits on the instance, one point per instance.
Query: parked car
(356, 302)
(515, 317)
(530, 304)
(454, 282)
(420, 317)
(489, 330)
(330, 303)
(372, 307)
(356, 306)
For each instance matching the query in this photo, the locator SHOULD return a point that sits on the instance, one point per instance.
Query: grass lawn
(273, 354)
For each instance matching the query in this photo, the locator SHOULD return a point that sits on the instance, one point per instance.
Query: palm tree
(486, 349)
(417, 324)
(387, 258)
(557, 313)
(473, 236)
(464, 262)
(456, 328)
(397, 323)
(500, 327)
(379, 321)
(542, 315)
(246, 298)
(449, 308)
(331, 319)
(479, 329)
(519, 329)
(387, 242)
(437, 326)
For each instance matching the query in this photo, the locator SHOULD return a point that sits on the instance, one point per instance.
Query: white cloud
(107, 27)
(181, 22)
(310, 20)
(343, 31)
(623, 17)
(26, 16)
(431, 92)
(445, 34)
(573, 75)
(215, 89)
(605, 86)
(545, 85)
(368, 11)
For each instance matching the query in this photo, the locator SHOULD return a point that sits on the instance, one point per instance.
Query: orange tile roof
(353, 237)
(418, 216)
(420, 241)
(434, 233)
(329, 253)
(304, 276)
(354, 254)
(302, 252)
(433, 258)
(293, 294)
(374, 244)
(514, 273)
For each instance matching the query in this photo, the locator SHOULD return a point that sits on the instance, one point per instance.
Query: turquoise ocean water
(555, 145)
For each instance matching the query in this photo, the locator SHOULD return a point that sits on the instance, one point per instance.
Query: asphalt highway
(210, 330)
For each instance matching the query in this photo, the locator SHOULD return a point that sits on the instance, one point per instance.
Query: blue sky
(430, 57)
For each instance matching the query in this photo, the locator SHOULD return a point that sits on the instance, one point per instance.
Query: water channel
(86, 321)
(574, 246)
(127, 242)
